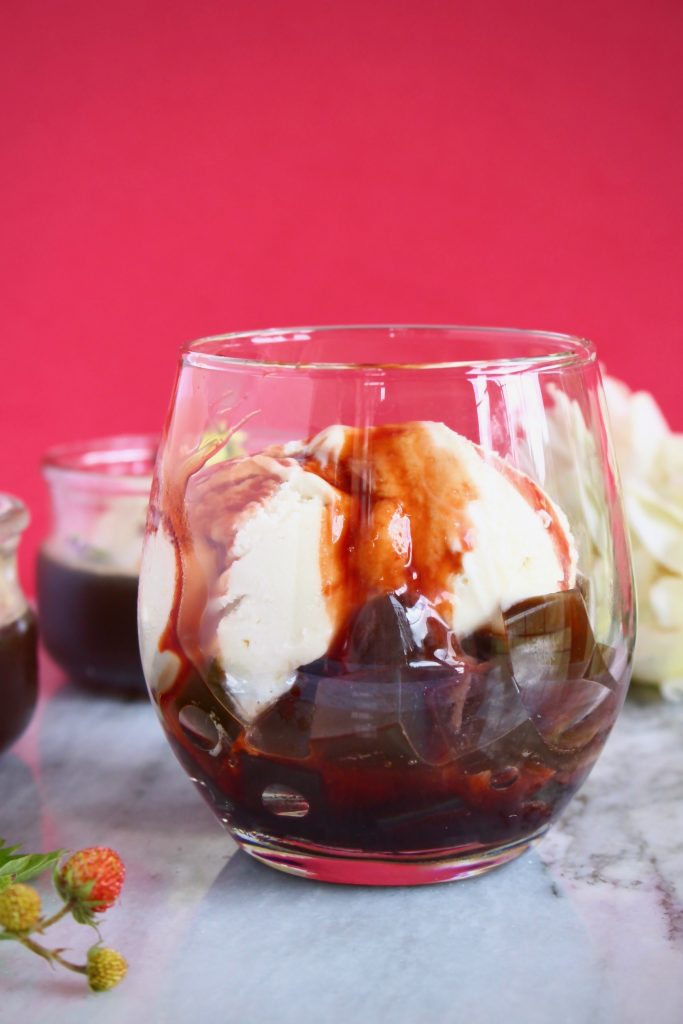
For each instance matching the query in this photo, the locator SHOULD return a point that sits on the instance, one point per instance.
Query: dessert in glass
(381, 641)
(88, 568)
(18, 633)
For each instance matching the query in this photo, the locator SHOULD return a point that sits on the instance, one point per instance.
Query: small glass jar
(88, 567)
(18, 633)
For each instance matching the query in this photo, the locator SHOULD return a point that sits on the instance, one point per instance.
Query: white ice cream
(107, 540)
(275, 614)
(513, 555)
(12, 600)
(155, 604)
(271, 600)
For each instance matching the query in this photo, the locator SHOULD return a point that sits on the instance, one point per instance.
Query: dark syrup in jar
(89, 624)
(18, 676)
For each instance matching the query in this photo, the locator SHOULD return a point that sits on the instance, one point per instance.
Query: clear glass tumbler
(88, 567)
(386, 607)
(18, 633)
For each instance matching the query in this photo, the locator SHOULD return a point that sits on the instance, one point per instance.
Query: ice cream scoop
(292, 542)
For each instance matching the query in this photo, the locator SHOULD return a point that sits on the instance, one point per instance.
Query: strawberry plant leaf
(20, 867)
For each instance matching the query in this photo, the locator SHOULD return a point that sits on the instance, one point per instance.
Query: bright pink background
(172, 169)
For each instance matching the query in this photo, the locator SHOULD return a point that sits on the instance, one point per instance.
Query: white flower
(575, 475)
(650, 460)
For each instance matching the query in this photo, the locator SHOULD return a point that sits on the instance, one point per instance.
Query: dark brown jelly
(405, 745)
(18, 676)
(89, 624)
(401, 739)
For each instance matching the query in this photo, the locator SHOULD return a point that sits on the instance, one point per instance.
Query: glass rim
(564, 349)
(14, 516)
(114, 461)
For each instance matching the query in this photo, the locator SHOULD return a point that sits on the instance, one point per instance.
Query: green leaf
(16, 867)
(37, 863)
(83, 914)
(7, 850)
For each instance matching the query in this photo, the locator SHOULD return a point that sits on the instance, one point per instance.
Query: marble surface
(585, 929)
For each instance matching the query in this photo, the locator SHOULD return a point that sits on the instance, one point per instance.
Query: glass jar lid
(123, 463)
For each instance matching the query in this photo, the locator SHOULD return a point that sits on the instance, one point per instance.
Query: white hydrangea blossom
(650, 459)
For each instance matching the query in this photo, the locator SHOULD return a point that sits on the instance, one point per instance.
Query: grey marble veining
(618, 854)
(586, 929)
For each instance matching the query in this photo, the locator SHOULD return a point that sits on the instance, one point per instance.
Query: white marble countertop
(585, 929)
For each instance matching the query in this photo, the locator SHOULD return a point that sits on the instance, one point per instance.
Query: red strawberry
(91, 879)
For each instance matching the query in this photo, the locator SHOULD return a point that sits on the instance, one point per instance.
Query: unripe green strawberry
(91, 878)
(105, 968)
(19, 908)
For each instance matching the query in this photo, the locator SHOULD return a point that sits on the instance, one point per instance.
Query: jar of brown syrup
(88, 567)
(18, 634)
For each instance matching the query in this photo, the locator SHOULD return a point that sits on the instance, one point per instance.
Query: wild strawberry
(19, 908)
(105, 968)
(91, 879)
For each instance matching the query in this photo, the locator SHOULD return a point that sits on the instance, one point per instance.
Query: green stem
(48, 922)
(50, 955)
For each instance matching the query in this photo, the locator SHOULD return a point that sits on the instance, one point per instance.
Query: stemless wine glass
(386, 608)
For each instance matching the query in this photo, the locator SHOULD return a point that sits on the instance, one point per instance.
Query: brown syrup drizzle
(392, 531)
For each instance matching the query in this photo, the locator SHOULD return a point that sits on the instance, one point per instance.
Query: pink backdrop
(172, 169)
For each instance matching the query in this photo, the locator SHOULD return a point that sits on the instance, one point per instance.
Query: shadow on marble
(105, 764)
(277, 947)
(20, 802)
(22, 973)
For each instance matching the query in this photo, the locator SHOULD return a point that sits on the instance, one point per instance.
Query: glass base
(353, 867)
